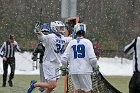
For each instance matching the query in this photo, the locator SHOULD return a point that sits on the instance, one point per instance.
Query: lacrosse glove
(64, 70)
(34, 58)
(96, 69)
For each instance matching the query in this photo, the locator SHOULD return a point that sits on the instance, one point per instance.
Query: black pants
(134, 84)
(11, 62)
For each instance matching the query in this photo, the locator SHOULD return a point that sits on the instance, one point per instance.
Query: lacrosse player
(40, 49)
(82, 59)
(134, 48)
(54, 47)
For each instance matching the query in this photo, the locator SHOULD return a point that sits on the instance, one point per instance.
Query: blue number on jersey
(81, 27)
(60, 48)
(79, 51)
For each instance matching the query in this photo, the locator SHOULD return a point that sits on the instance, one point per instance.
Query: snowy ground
(108, 66)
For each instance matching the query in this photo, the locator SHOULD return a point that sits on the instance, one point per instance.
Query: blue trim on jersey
(78, 39)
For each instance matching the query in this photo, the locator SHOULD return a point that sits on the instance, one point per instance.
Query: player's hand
(64, 70)
(39, 32)
(34, 58)
(4, 58)
(96, 69)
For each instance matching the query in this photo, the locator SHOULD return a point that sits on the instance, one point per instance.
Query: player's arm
(91, 55)
(65, 56)
(40, 36)
(37, 30)
(35, 53)
(43, 38)
(68, 39)
(17, 46)
(129, 49)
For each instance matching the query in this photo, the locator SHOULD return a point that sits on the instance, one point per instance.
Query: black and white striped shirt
(8, 50)
(134, 48)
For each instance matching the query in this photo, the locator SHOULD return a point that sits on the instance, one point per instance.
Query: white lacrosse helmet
(80, 27)
(59, 25)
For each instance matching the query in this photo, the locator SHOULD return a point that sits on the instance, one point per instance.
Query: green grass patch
(21, 83)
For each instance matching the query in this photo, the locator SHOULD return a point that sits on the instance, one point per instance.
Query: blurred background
(114, 23)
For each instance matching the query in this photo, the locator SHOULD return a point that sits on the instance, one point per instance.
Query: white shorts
(82, 81)
(50, 72)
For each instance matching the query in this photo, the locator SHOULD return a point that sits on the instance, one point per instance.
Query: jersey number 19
(79, 51)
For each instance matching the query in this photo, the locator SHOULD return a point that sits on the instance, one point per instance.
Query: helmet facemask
(59, 26)
(61, 29)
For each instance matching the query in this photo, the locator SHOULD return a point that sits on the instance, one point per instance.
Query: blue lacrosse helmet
(45, 27)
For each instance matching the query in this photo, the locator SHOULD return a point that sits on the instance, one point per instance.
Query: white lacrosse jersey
(54, 47)
(78, 52)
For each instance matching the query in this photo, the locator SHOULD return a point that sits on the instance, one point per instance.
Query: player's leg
(50, 73)
(132, 84)
(42, 79)
(138, 88)
(85, 82)
(5, 71)
(138, 82)
(48, 85)
(12, 65)
(50, 76)
(75, 82)
(53, 84)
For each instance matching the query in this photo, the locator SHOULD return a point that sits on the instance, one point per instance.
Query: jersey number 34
(60, 48)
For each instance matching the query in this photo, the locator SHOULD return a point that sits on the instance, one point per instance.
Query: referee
(7, 52)
(134, 48)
